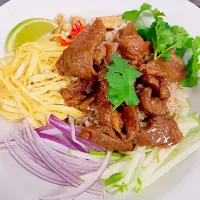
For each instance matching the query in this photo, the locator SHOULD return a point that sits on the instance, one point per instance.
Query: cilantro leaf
(145, 33)
(190, 81)
(134, 15)
(193, 65)
(180, 37)
(165, 37)
(188, 44)
(157, 14)
(120, 77)
(131, 15)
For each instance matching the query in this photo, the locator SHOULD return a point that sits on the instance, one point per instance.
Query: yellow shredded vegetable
(30, 86)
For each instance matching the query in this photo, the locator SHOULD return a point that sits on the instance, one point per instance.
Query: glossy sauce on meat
(132, 46)
(100, 135)
(160, 132)
(77, 59)
(152, 106)
(131, 121)
(174, 69)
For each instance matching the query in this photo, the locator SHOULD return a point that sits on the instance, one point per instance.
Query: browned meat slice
(103, 104)
(158, 86)
(152, 68)
(99, 54)
(77, 59)
(152, 106)
(99, 135)
(116, 121)
(164, 92)
(130, 118)
(105, 114)
(111, 48)
(76, 94)
(148, 48)
(151, 81)
(131, 45)
(160, 132)
(174, 69)
(85, 104)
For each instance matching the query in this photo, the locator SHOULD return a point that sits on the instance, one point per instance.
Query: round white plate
(182, 183)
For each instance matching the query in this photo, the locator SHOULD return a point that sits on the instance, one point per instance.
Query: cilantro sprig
(134, 15)
(193, 65)
(164, 38)
(120, 77)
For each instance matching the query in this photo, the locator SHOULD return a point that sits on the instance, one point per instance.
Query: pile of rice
(177, 99)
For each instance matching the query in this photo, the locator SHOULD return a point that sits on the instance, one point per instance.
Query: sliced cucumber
(184, 109)
(117, 167)
(167, 167)
(188, 123)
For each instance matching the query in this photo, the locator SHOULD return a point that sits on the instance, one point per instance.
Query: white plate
(182, 183)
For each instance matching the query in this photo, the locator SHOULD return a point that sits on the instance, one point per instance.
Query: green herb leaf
(157, 14)
(145, 33)
(190, 81)
(193, 65)
(134, 14)
(165, 37)
(131, 15)
(120, 77)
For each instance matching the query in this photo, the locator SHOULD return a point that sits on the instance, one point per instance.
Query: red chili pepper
(77, 28)
(64, 42)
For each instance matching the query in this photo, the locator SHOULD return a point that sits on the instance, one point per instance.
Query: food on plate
(111, 21)
(104, 101)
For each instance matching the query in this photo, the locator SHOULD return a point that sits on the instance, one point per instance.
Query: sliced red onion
(44, 128)
(73, 137)
(83, 187)
(2, 144)
(71, 161)
(48, 158)
(33, 167)
(53, 120)
(27, 150)
(66, 130)
(56, 164)
(66, 145)
(88, 166)
(58, 145)
(25, 146)
(62, 150)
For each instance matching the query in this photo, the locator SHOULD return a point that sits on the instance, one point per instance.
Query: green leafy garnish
(164, 38)
(133, 15)
(113, 179)
(120, 77)
(193, 65)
